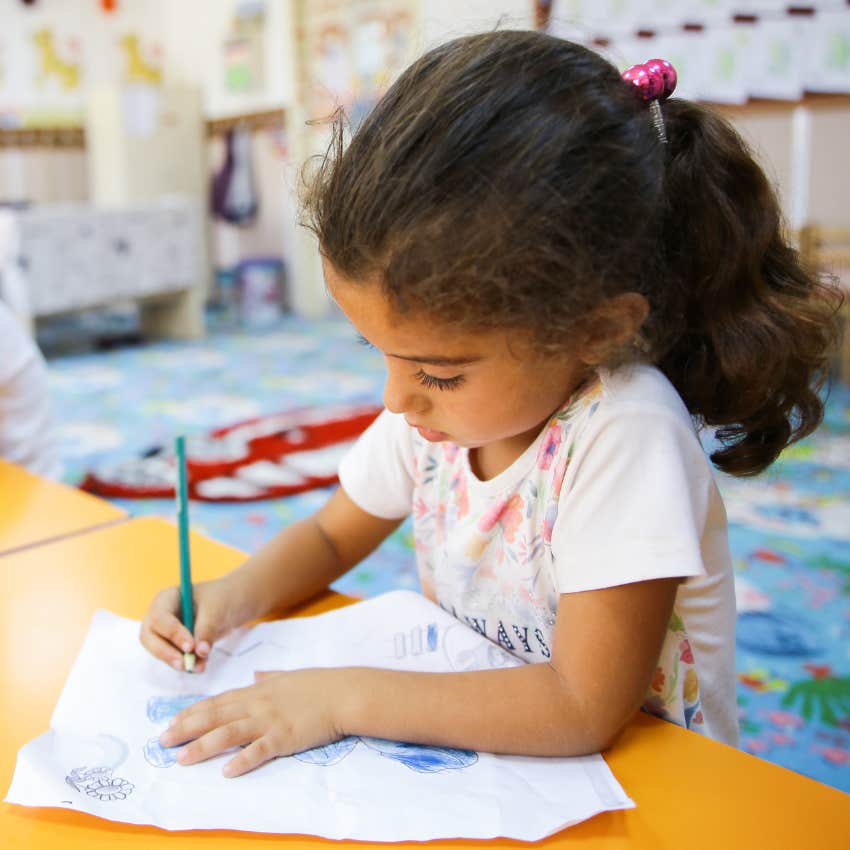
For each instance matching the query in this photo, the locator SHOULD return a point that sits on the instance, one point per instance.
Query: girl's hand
(281, 714)
(165, 636)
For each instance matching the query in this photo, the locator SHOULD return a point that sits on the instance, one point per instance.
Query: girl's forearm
(294, 566)
(307, 556)
(527, 710)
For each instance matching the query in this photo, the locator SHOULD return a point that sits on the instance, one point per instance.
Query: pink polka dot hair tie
(654, 81)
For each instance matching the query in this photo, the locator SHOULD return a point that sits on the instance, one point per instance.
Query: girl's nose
(400, 394)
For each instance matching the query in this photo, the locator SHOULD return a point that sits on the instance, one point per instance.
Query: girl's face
(474, 389)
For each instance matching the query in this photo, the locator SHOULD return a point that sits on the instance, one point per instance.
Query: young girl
(561, 286)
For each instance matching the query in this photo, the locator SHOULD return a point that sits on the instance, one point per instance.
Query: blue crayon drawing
(160, 709)
(417, 640)
(418, 757)
(330, 753)
(160, 756)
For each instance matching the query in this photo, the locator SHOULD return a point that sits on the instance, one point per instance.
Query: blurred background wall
(117, 102)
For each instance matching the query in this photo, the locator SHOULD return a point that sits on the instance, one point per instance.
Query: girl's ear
(611, 325)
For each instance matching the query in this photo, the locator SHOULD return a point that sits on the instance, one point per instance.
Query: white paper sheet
(102, 755)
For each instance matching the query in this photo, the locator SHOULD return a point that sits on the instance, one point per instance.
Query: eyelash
(433, 383)
(429, 381)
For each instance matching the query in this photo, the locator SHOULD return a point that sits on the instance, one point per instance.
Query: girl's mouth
(430, 434)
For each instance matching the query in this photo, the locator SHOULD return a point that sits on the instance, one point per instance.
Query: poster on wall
(42, 73)
(827, 66)
(727, 57)
(331, 69)
(353, 52)
(594, 17)
(777, 58)
(725, 51)
(243, 49)
(57, 62)
(141, 59)
(53, 55)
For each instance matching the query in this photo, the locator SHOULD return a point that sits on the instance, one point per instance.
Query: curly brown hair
(512, 180)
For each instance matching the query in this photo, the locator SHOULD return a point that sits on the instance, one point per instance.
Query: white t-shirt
(615, 489)
(27, 435)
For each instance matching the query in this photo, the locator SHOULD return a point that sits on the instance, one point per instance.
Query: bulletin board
(351, 52)
(724, 51)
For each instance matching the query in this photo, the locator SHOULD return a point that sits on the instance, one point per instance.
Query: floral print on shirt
(485, 556)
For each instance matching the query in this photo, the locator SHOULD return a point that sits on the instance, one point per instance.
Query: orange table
(34, 510)
(690, 793)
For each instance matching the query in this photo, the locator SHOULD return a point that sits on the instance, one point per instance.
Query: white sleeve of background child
(633, 504)
(27, 431)
(378, 472)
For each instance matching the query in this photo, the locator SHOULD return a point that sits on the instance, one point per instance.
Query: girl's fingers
(222, 738)
(256, 753)
(200, 664)
(162, 649)
(167, 626)
(200, 718)
(165, 651)
(205, 634)
(259, 675)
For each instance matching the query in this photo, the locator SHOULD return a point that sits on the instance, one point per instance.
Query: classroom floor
(789, 529)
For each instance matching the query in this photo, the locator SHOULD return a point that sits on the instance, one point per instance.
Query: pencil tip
(189, 662)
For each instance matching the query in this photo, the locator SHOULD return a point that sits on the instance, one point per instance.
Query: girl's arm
(301, 561)
(308, 555)
(606, 648)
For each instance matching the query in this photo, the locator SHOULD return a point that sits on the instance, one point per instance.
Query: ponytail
(753, 326)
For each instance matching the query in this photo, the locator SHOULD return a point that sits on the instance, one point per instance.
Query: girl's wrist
(349, 703)
(243, 606)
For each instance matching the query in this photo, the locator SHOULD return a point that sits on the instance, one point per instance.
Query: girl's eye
(433, 383)
(363, 341)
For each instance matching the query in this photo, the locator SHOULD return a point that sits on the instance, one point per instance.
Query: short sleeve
(17, 350)
(634, 502)
(377, 473)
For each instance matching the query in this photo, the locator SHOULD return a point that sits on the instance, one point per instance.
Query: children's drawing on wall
(369, 65)
(381, 46)
(56, 62)
(141, 64)
(355, 51)
(398, 41)
(333, 85)
(244, 47)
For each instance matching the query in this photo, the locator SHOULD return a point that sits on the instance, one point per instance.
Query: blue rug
(790, 528)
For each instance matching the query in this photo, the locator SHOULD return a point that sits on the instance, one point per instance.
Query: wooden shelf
(812, 100)
(75, 137)
(272, 119)
(43, 137)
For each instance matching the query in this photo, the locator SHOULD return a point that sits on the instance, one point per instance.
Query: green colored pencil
(186, 603)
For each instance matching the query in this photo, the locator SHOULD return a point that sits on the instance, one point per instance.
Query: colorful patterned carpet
(790, 529)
